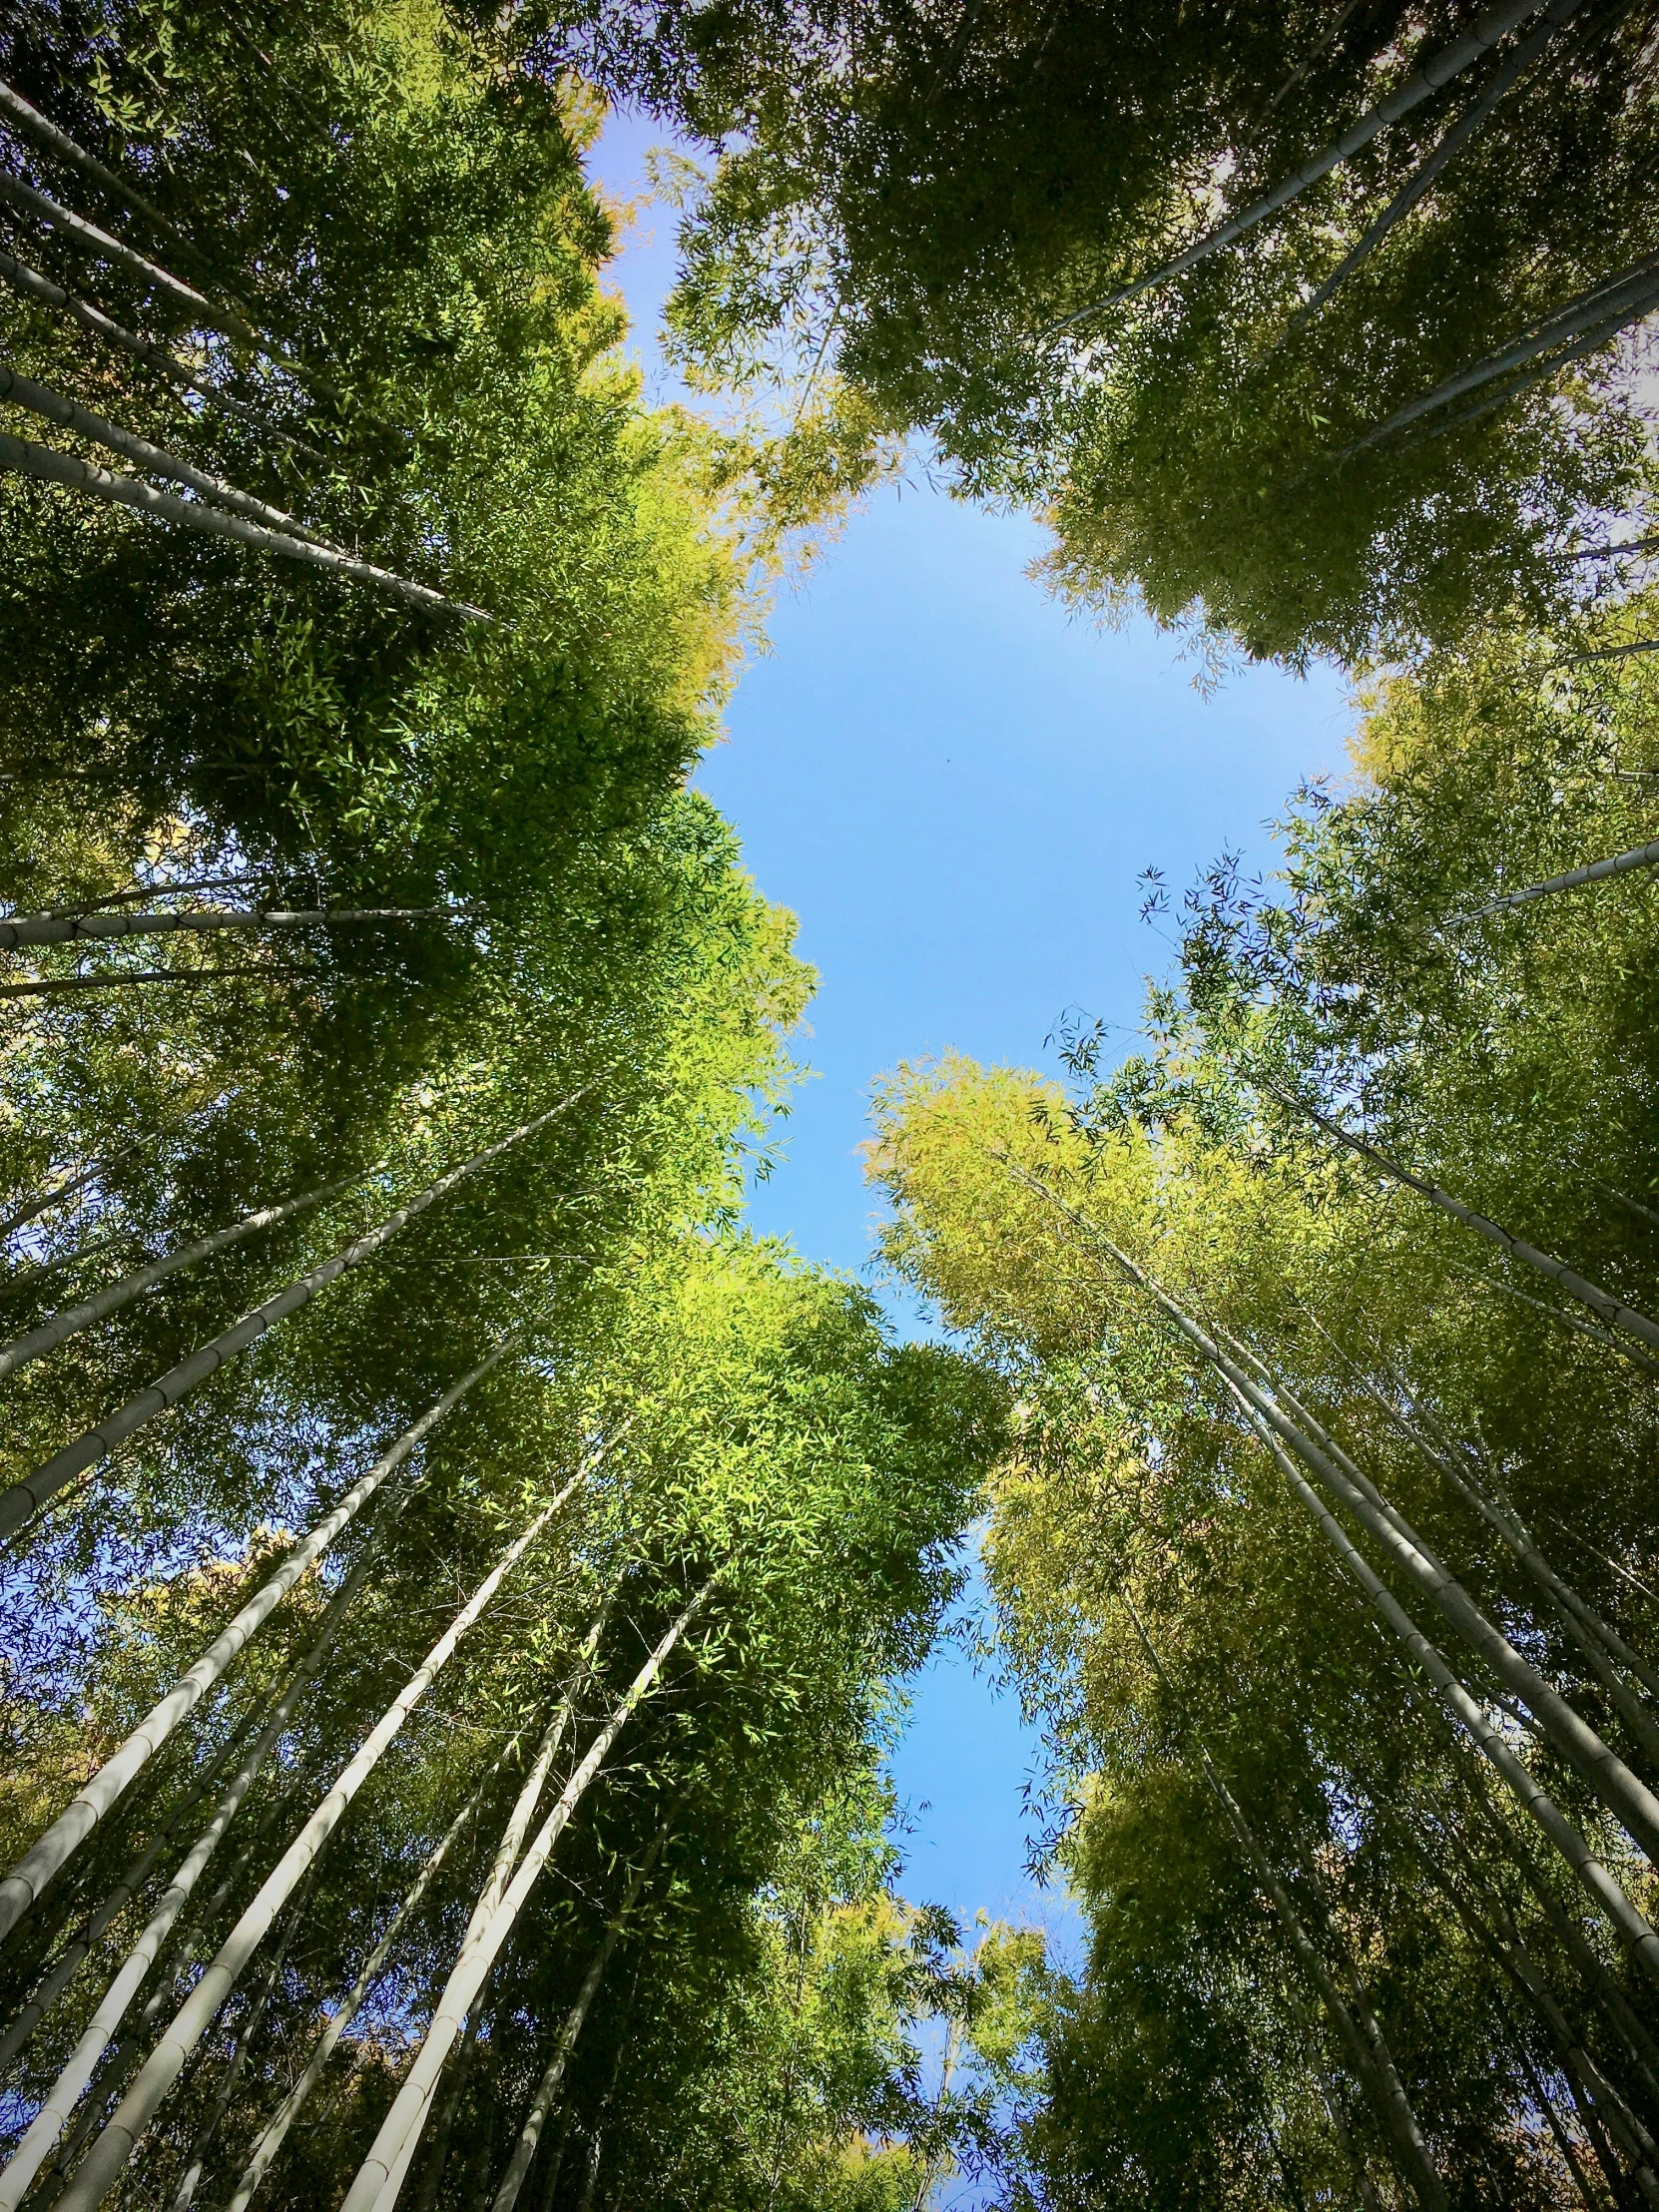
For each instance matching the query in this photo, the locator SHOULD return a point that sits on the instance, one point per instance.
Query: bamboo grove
(458, 1584)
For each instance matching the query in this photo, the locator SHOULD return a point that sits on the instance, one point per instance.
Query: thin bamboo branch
(107, 2158)
(48, 466)
(46, 1856)
(113, 979)
(50, 1334)
(1494, 24)
(25, 1498)
(480, 1952)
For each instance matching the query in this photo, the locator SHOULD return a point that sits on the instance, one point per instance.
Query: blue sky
(954, 785)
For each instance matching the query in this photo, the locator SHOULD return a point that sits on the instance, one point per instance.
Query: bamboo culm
(1450, 62)
(271, 2142)
(1621, 1792)
(1367, 2052)
(78, 2069)
(1627, 1923)
(1609, 1309)
(125, 2129)
(1593, 318)
(52, 406)
(46, 1856)
(38, 1342)
(1445, 152)
(478, 1956)
(541, 2103)
(1641, 856)
(26, 1498)
(68, 1963)
(97, 323)
(46, 133)
(88, 238)
(42, 1201)
(21, 929)
(49, 466)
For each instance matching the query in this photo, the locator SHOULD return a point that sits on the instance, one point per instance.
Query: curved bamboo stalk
(38, 1342)
(48, 466)
(52, 406)
(482, 1944)
(46, 1856)
(25, 1498)
(1441, 155)
(1494, 23)
(124, 2130)
(541, 2103)
(1611, 1310)
(84, 2061)
(1641, 856)
(46, 133)
(1366, 2048)
(1623, 1793)
(33, 286)
(275, 2133)
(21, 929)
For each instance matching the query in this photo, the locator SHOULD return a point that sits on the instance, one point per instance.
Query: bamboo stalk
(478, 1952)
(107, 2158)
(52, 406)
(21, 929)
(26, 1498)
(541, 2103)
(1494, 23)
(1641, 856)
(1367, 2052)
(46, 1856)
(50, 1334)
(46, 133)
(48, 466)
(1609, 1309)
(33, 286)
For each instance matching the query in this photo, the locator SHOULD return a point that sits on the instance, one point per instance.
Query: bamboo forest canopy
(457, 1584)
(1311, 325)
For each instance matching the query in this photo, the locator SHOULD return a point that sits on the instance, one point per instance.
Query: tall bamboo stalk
(275, 2133)
(1641, 856)
(1494, 24)
(1621, 1792)
(46, 1856)
(541, 2103)
(83, 2061)
(52, 406)
(1611, 1310)
(1445, 150)
(26, 1498)
(125, 2129)
(45, 132)
(46, 465)
(97, 324)
(1363, 2039)
(478, 1952)
(36, 1343)
(20, 930)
